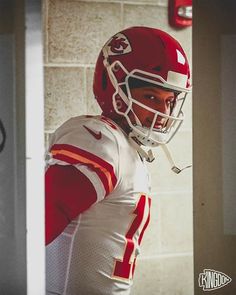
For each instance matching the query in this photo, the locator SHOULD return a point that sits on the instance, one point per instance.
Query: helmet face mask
(163, 66)
(147, 135)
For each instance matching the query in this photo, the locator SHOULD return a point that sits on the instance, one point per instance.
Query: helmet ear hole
(120, 104)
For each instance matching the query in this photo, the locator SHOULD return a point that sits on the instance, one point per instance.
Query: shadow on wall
(2, 136)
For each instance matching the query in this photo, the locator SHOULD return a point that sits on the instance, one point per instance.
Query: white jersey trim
(94, 179)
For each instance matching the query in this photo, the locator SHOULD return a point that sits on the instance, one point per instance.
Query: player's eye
(150, 97)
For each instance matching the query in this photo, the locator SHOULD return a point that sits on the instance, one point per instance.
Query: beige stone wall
(74, 33)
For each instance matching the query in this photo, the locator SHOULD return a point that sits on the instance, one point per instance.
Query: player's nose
(163, 107)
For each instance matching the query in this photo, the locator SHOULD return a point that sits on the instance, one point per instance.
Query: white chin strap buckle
(178, 170)
(174, 168)
(150, 157)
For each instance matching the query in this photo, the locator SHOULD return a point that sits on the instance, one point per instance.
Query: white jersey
(96, 253)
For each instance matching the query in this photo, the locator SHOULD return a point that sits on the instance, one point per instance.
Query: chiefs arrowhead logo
(118, 44)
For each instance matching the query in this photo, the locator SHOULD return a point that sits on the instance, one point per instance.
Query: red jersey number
(124, 268)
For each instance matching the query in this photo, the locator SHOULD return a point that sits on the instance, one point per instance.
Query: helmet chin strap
(149, 157)
(174, 168)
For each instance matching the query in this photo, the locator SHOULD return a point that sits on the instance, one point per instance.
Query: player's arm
(68, 192)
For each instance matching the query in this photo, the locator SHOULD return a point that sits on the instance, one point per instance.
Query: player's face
(158, 99)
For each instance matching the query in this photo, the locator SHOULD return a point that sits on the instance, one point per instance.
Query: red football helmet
(146, 55)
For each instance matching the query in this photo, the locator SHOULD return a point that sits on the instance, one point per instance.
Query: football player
(97, 183)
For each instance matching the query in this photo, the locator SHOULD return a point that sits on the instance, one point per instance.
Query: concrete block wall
(74, 33)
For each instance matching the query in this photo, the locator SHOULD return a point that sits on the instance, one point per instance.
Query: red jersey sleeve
(68, 192)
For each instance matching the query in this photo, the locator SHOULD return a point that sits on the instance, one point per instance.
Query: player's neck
(124, 126)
